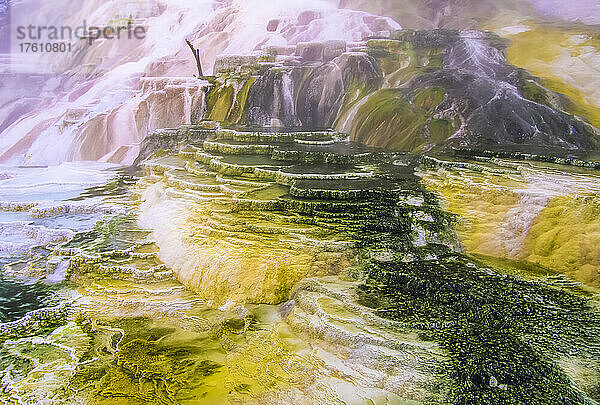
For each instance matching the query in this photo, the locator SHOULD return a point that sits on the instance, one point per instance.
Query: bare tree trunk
(196, 53)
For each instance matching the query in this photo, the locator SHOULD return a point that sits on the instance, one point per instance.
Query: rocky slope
(64, 100)
(408, 91)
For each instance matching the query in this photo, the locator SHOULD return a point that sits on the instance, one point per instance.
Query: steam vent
(316, 202)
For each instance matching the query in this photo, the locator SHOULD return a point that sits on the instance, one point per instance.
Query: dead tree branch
(196, 53)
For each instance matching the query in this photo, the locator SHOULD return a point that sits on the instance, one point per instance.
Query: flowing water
(277, 263)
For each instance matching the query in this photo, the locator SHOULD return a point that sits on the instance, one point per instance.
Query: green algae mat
(295, 267)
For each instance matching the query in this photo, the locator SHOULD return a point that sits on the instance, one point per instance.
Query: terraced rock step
(281, 157)
(116, 248)
(243, 216)
(333, 189)
(286, 205)
(248, 217)
(375, 351)
(371, 298)
(318, 166)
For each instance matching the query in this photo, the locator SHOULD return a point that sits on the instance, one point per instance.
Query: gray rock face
(272, 25)
(306, 17)
(321, 97)
(410, 91)
(333, 49)
(271, 100)
(320, 51)
(310, 51)
(229, 63)
(494, 108)
(310, 96)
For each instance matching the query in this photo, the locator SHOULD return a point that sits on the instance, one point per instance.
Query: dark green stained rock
(501, 334)
(220, 102)
(408, 90)
(389, 120)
